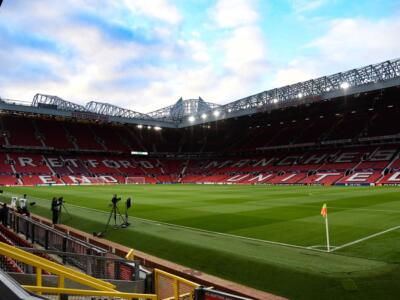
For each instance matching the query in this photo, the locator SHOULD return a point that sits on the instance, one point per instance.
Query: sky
(146, 54)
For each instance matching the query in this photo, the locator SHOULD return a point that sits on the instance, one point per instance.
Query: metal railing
(202, 293)
(88, 258)
(169, 286)
(78, 294)
(103, 267)
(92, 261)
(99, 288)
(50, 238)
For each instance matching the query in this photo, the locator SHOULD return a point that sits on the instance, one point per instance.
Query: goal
(135, 180)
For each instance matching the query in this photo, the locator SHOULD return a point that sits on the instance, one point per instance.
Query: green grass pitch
(267, 237)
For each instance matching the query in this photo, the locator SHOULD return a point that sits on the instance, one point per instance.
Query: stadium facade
(334, 130)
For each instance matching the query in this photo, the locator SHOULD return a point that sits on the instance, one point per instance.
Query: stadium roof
(197, 111)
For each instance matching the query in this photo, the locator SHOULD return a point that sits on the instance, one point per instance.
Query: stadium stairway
(153, 262)
(95, 287)
(169, 277)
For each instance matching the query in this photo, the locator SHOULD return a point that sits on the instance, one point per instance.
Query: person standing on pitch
(4, 214)
(55, 209)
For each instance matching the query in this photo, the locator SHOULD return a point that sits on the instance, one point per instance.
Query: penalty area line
(366, 238)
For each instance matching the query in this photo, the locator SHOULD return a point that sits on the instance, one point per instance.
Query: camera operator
(4, 214)
(22, 206)
(115, 199)
(55, 209)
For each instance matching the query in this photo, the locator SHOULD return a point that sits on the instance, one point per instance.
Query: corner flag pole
(327, 233)
(324, 213)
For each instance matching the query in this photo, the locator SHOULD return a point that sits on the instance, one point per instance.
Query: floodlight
(275, 100)
(345, 85)
(300, 95)
(139, 153)
(139, 126)
(192, 119)
(157, 128)
(149, 127)
(204, 116)
(216, 113)
(229, 110)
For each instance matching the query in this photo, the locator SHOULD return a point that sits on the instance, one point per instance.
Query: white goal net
(135, 180)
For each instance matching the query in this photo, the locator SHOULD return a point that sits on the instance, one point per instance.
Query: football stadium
(288, 193)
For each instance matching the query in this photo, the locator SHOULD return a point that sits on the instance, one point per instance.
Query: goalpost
(135, 180)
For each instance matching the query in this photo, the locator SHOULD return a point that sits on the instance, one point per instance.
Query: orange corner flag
(324, 210)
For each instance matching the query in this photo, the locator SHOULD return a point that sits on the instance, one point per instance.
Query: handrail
(172, 276)
(176, 283)
(58, 291)
(94, 265)
(130, 255)
(52, 267)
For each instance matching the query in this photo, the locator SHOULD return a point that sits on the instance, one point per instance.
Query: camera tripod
(113, 214)
(62, 207)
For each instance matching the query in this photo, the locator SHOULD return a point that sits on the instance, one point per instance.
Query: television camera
(115, 214)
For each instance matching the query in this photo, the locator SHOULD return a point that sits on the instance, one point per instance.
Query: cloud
(143, 55)
(359, 41)
(347, 44)
(95, 57)
(104, 54)
(244, 49)
(159, 9)
(198, 50)
(234, 13)
(295, 72)
(301, 6)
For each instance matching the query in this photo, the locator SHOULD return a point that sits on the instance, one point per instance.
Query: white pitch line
(316, 247)
(366, 238)
(396, 211)
(205, 231)
(238, 236)
(194, 229)
(309, 204)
